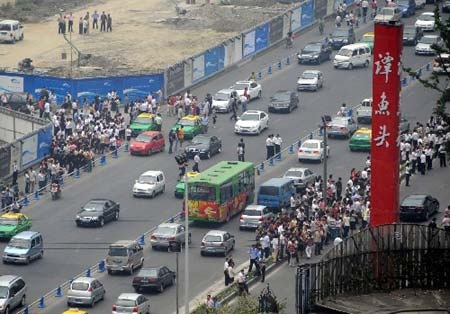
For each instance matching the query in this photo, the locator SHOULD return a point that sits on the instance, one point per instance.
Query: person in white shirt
(277, 141)
(196, 162)
(275, 247)
(47, 110)
(241, 282)
(265, 245)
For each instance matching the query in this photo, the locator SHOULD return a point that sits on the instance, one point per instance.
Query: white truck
(364, 111)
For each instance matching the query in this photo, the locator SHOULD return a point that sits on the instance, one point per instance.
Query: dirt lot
(147, 35)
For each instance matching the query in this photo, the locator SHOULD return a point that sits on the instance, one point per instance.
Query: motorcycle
(56, 191)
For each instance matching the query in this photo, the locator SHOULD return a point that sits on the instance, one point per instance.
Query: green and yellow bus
(221, 191)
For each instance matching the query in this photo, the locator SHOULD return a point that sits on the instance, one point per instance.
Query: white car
(132, 303)
(11, 31)
(310, 80)
(149, 184)
(223, 99)
(312, 150)
(388, 14)
(423, 47)
(254, 88)
(426, 21)
(252, 122)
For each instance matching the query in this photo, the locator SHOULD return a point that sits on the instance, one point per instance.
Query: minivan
(276, 193)
(124, 256)
(24, 247)
(13, 291)
(11, 31)
(352, 56)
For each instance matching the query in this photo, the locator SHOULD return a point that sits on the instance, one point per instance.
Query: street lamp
(175, 246)
(325, 160)
(186, 247)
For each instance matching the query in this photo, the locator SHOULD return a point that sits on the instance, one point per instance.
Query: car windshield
(143, 138)
(312, 48)
(366, 103)
(165, 230)
(250, 117)
(80, 286)
(413, 201)
(426, 17)
(5, 27)
(386, 11)
(404, 3)
(221, 96)
(310, 145)
(201, 192)
(240, 86)
(147, 179)
(281, 97)
(200, 140)
(186, 122)
(117, 251)
(151, 272)
(361, 135)
(93, 206)
(268, 190)
(368, 38)
(8, 221)
(126, 303)
(309, 75)
(345, 52)
(340, 33)
(213, 238)
(294, 173)
(252, 212)
(143, 120)
(427, 40)
(19, 243)
(3, 292)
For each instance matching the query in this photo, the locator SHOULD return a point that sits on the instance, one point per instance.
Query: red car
(147, 143)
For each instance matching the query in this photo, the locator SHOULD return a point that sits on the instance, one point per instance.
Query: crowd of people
(85, 23)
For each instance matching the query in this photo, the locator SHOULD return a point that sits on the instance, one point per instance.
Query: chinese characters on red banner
(385, 154)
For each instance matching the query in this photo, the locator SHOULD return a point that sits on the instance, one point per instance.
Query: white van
(11, 31)
(352, 56)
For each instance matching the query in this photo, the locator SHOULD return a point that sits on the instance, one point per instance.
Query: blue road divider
(59, 293)
(142, 240)
(279, 65)
(259, 76)
(417, 74)
(25, 201)
(269, 70)
(76, 174)
(41, 304)
(291, 149)
(25, 310)
(101, 266)
(288, 60)
(271, 161)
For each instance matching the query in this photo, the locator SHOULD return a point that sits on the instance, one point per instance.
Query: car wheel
(208, 155)
(259, 130)
(101, 222)
(41, 255)
(259, 94)
(149, 152)
(202, 253)
(27, 261)
(350, 66)
(153, 194)
(366, 64)
(116, 216)
(22, 301)
(78, 224)
(161, 288)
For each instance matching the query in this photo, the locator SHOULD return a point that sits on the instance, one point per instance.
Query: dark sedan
(157, 278)
(284, 101)
(98, 211)
(411, 35)
(316, 53)
(418, 207)
(446, 7)
(204, 145)
(341, 37)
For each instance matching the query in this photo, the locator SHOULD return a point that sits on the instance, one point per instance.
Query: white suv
(11, 31)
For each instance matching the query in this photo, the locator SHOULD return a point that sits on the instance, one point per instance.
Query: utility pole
(178, 306)
(325, 159)
(186, 247)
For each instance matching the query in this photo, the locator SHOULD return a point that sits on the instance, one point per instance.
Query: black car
(341, 37)
(158, 278)
(98, 211)
(205, 145)
(446, 7)
(411, 35)
(315, 52)
(418, 207)
(283, 101)
(16, 101)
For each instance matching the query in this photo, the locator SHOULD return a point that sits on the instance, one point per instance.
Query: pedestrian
(182, 170)
(214, 117)
(15, 173)
(128, 133)
(172, 139)
(339, 189)
(204, 123)
(277, 141)
(423, 160)
(253, 254)
(80, 26)
(242, 284)
(442, 156)
(33, 179)
(429, 158)
(109, 23)
(265, 245)
(432, 223)
(241, 150)
(270, 149)
(60, 24)
(103, 19)
(196, 162)
(446, 223)
(95, 17)
(180, 135)
(262, 266)
(225, 272)
(407, 173)
(230, 272)
(71, 18)
(85, 26)
(234, 109)
(275, 247)
(158, 122)
(27, 182)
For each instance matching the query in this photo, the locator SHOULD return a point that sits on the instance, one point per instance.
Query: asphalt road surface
(70, 250)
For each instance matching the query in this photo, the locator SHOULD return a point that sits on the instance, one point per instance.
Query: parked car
(407, 7)
(411, 35)
(223, 99)
(11, 31)
(157, 278)
(252, 122)
(205, 145)
(191, 126)
(310, 80)
(12, 224)
(341, 127)
(418, 207)
(254, 88)
(124, 256)
(341, 37)
(441, 64)
(253, 216)
(446, 7)
(132, 303)
(301, 177)
(97, 212)
(24, 247)
(283, 101)
(166, 233)
(148, 143)
(364, 111)
(426, 22)
(315, 52)
(149, 184)
(426, 44)
(143, 122)
(313, 150)
(388, 14)
(361, 140)
(85, 291)
(13, 292)
(217, 242)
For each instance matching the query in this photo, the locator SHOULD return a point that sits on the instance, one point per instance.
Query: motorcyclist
(289, 39)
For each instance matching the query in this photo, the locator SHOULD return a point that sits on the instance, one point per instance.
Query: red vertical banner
(385, 153)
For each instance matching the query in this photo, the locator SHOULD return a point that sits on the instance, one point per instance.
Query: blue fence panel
(29, 153)
(198, 68)
(249, 43)
(262, 37)
(44, 142)
(211, 61)
(90, 87)
(221, 54)
(296, 19)
(59, 86)
(307, 13)
(141, 86)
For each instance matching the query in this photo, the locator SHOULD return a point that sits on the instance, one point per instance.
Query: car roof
(13, 215)
(129, 296)
(98, 200)
(152, 173)
(243, 82)
(6, 279)
(311, 71)
(146, 115)
(216, 232)
(190, 117)
(226, 91)
(428, 13)
(431, 36)
(253, 111)
(9, 22)
(26, 235)
(151, 133)
(364, 131)
(152, 267)
(84, 279)
(282, 91)
(123, 243)
(204, 135)
(297, 169)
(312, 141)
(170, 224)
(354, 46)
(255, 207)
(416, 196)
(314, 43)
(276, 182)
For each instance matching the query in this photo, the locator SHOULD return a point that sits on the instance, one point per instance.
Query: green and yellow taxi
(12, 224)
(143, 122)
(191, 126)
(179, 188)
(368, 39)
(75, 311)
(361, 140)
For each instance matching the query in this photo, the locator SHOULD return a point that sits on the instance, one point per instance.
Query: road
(69, 250)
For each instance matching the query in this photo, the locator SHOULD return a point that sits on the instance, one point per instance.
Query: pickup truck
(364, 111)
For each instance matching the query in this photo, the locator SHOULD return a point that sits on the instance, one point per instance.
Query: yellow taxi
(191, 126)
(361, 140)
(75, 311)
(12, 224)
(368, 39)
(143, 122)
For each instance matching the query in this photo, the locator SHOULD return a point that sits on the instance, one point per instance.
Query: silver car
(341, 127)
(301, 176)
(12, 293)
(253, 216)
(133, 303)
(166, 233)
(85, 291)
(217, 242)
